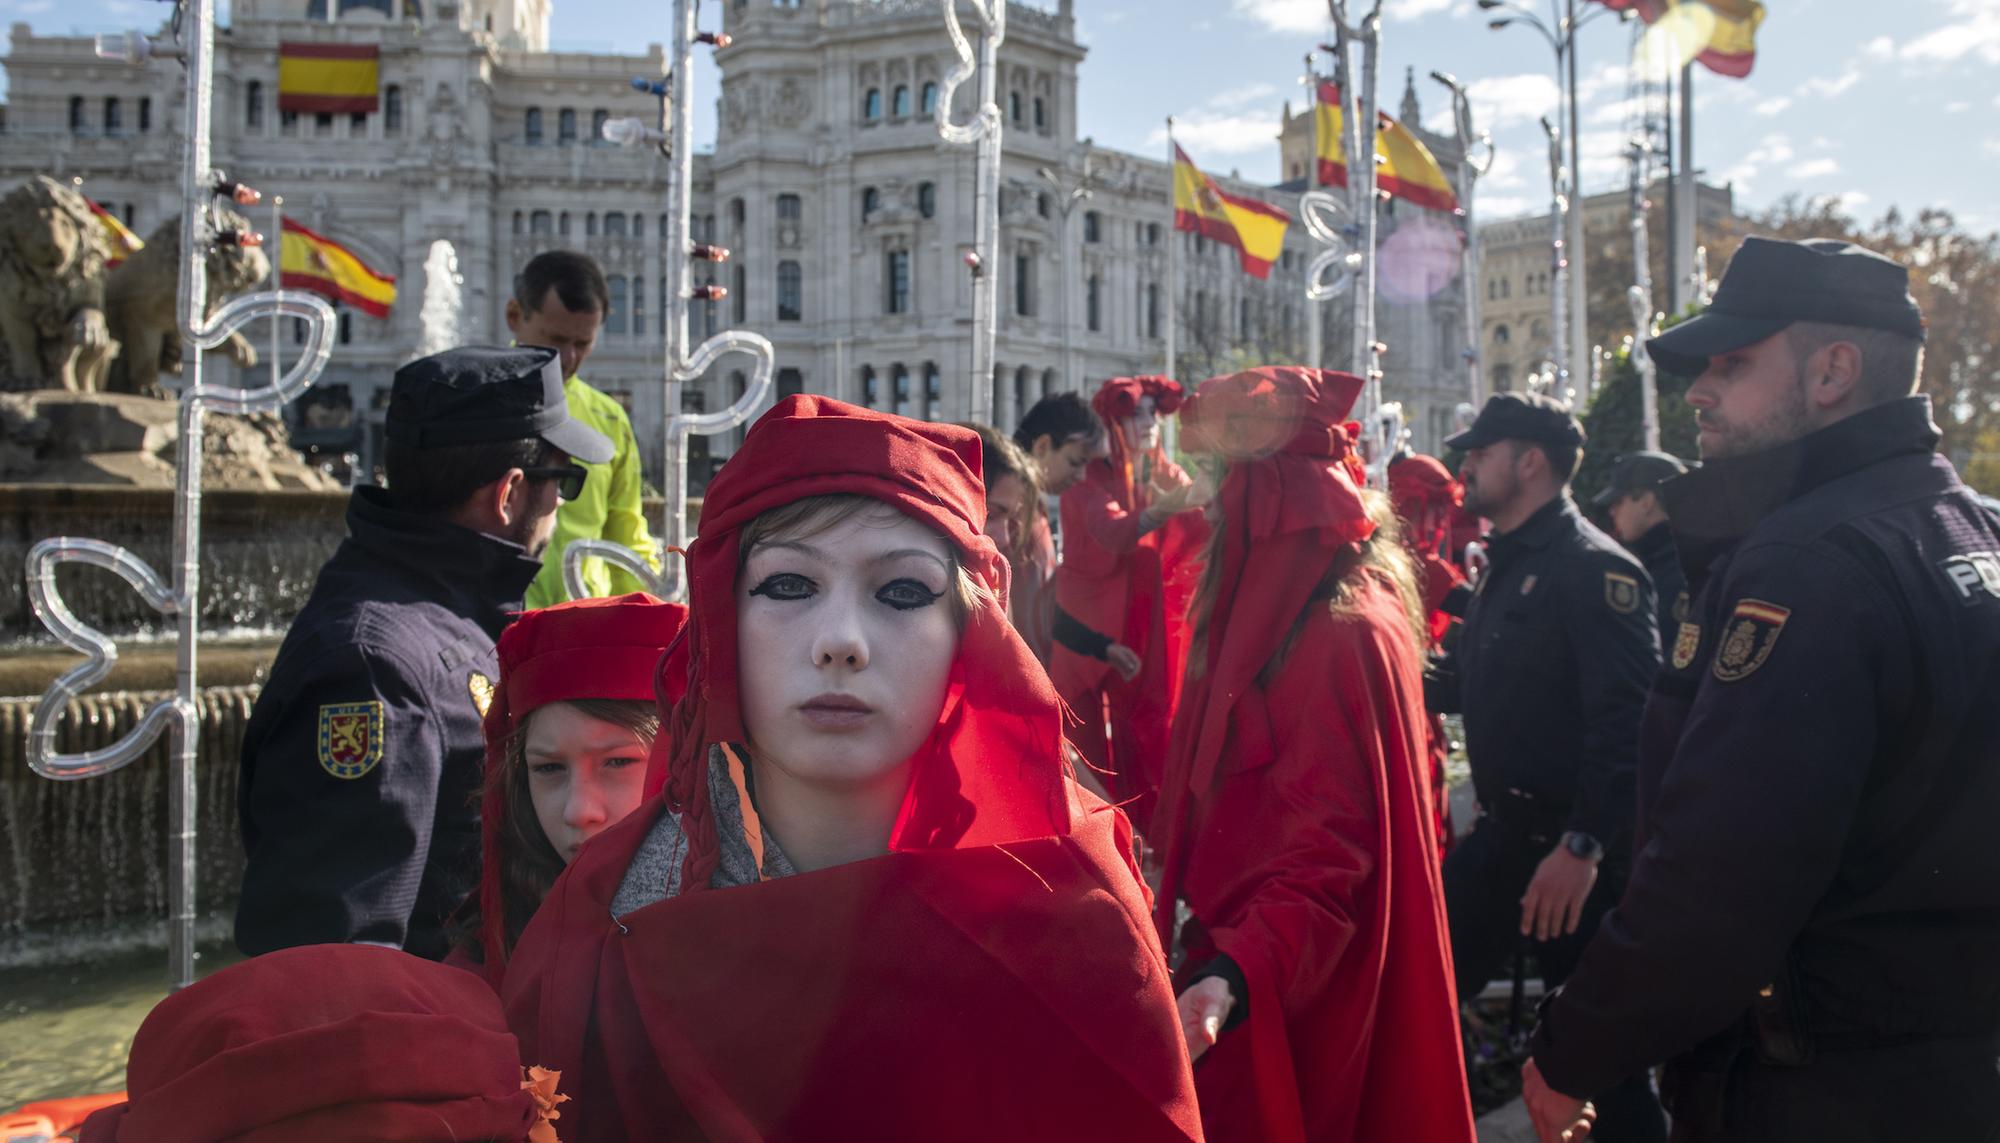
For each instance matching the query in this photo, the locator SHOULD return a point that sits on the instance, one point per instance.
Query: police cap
(477, 393)
(1521, 417)
(1772, 284)
(1639, 472)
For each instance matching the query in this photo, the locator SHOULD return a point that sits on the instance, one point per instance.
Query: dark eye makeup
(903, 594)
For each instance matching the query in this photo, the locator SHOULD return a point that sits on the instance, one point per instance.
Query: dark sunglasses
(570, 477)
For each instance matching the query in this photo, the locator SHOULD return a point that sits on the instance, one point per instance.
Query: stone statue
(52, 257)
(140, 300)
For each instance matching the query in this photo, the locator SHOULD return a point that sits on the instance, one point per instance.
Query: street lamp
(1068, 195)
(1560, 33)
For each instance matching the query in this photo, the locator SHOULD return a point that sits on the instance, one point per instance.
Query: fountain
(443, 290)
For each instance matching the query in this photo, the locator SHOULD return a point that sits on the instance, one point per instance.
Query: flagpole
(1361, 188)
(1173, 247)
(1686, 289)
(1315, 355)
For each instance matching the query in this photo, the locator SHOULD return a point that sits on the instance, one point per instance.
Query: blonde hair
(1381, 556)
(812, 515)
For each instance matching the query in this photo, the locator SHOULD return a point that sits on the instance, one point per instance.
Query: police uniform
(1645, 472)
(1811, 936)
(1550, 672)
(360, 766)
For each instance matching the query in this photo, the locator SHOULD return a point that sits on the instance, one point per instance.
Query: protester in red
(869, 901)
(1131, 551)
(329, 1044)
(1295, 819)
(1426, 498)
(568, 729)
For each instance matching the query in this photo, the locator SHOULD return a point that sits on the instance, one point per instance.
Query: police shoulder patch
(1748, 637)
(1681, 607)
(1686, 644)
(350, 737)
(482, 692)
(1621, 592)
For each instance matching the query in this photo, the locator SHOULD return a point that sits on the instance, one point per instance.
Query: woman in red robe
(868, 900)
(1426, 498)
(1317, 989)
(1131, 548)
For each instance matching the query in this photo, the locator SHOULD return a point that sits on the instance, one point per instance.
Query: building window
(616, 321)
(323, 124)
(1093, 303)
(870, 200)
(1501, 335)
(899, 103)
(791, 291)
(638, 305)
(790, 383)
(928, 100)
(357, 125)
(899, 382)
(1503, 378)
(76, 114)
(1023, 386)
(739, 294)
(871, 105)
(392, 110)
(896, 282)
(590, 224)
(1152, 234)
(869, 394)
(542, 222)
(1014, 106)
(562, 224)
(1041, 115)
(1506, 288)
(1093, 227)
(598, 119)
(790, 208)
(1042, 204)
(1024, 295)
(531, 127)
(253, 105)
(566, 126)
(518, 222)
(933, 390)
(738, 218)
(1048, 384)
(1243, 318)
(145, 114)
(288, 122)
(114, 116)
(638, 225)
(927, 199)
(614, 224)
(129, 224)
(1153, 310)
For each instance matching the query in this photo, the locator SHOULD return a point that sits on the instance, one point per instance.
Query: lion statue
(140, 295)
(52, 257)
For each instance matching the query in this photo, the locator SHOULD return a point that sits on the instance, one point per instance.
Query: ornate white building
(846, 215)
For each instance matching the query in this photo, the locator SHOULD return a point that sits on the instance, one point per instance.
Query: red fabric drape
(1135, 588)
(1295, 815)
(994, 977)
(326, 1044)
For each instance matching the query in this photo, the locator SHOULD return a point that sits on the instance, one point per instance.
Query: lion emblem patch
(1750, 634)
(1685, 645)
(350, 738)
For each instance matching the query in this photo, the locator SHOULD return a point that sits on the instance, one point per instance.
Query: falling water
(443, 293)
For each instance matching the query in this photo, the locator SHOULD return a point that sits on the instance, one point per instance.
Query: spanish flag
(1255, 229)
(1730, 46)
(123, 242)
(308, 261)
(1404, 167)
(326, 79)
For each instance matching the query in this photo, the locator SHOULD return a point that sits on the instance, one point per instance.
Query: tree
(1611, 424)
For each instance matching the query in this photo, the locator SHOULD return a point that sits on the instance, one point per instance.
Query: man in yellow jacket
(560, 301)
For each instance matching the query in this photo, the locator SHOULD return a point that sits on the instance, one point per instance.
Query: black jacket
(361, 763)
(1656, 550)
(1820, 765)
(1551, 671)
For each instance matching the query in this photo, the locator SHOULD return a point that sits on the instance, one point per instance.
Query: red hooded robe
(1135, 588)
(1427, 498)
(994, 977)
(1296, 814)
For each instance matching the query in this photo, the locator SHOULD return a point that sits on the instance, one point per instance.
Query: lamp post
(1469, 173)
(1068, 195)
(1560, 32)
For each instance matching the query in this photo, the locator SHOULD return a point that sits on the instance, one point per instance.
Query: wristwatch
(1582, 845)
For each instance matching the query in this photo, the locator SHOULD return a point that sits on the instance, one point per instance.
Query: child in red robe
(1295, 819)
(868, 901)
(1131, 550)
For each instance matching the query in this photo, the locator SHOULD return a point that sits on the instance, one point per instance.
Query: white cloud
(1991, 147)
(1975, 30)
(1406, 11)
(1879, 48)
(1852, 201)
(1503, 101)
(1239, 96)
(1508, 206)
(1815, 169)
(1207, 134)
(1957, 107)
(1285, 15)
(33, 7)
(1771, 150)
(1823, 88)
(1774, 106)
(1506, 172)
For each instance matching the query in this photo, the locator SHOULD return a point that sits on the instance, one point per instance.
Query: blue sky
(1876, 104)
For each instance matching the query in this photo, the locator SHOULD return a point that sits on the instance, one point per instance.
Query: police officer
(1811, 937)
(1639, 520)
(1550, 671)
(361, 761)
